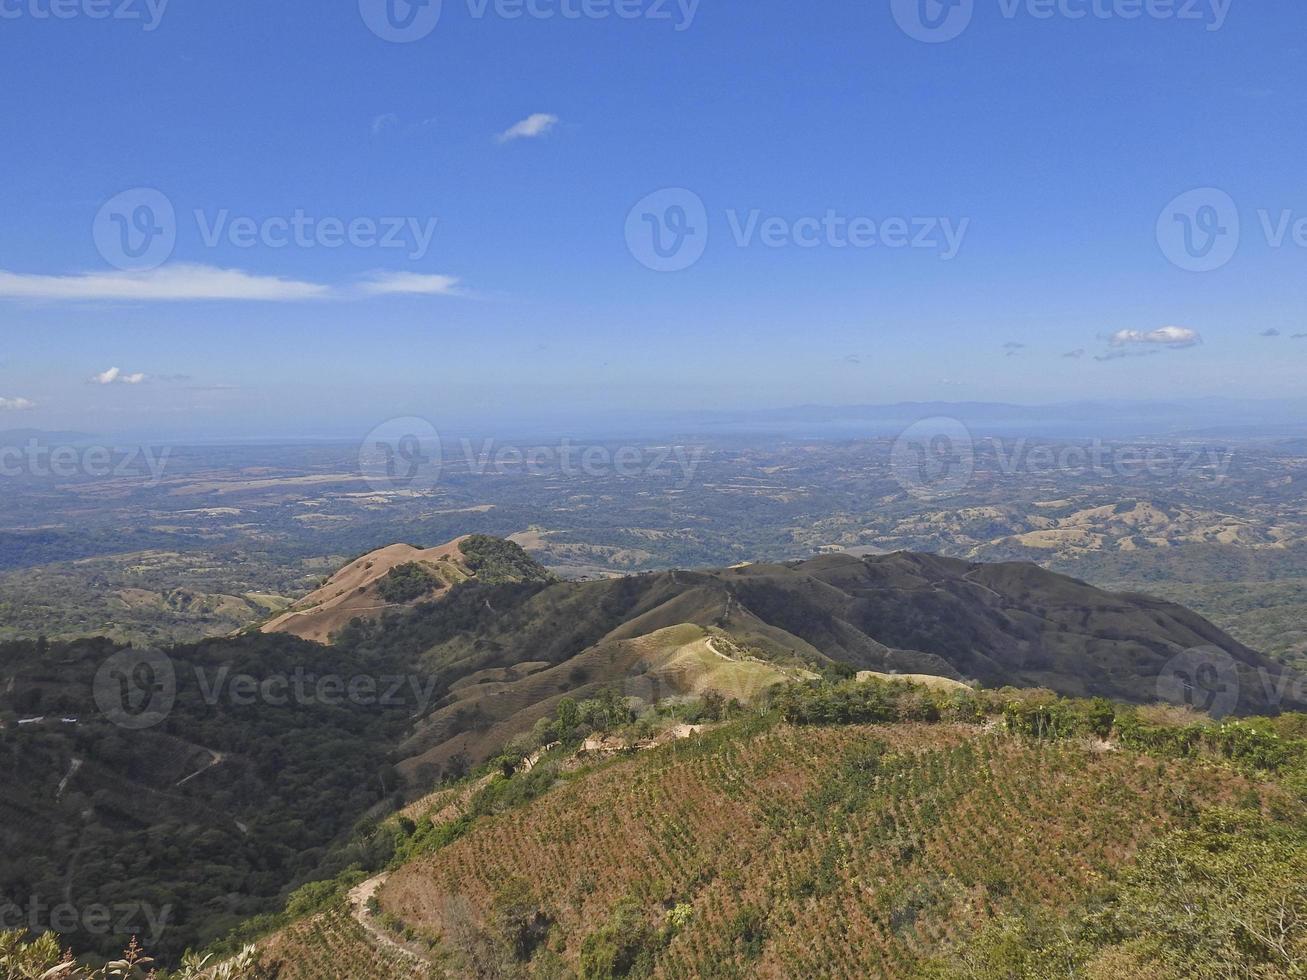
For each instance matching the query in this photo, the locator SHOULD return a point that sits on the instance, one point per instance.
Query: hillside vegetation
(508, 654)
(234, 803)
(868, 829)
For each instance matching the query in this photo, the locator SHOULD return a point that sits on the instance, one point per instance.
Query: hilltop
(399, 576)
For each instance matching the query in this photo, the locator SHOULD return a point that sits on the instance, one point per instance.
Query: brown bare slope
(353, 593)
(358, 591)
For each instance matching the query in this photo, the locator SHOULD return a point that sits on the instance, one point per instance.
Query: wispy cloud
(1163, 336)
(408, 284)
(1014, 345)
(179, 283)
(384, 122)
(169, 283)
(16, 404)
(1298, 336)
(1270, 332)
(1076, 354)
(533, 126)
(115, 376)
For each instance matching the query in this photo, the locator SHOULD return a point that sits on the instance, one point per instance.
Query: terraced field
(855, 851)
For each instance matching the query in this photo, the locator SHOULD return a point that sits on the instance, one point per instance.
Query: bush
(625, 946)
(407, 582)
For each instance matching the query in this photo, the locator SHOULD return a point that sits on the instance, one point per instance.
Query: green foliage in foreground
(1224, 898)
(42, 959)
(1227, 898)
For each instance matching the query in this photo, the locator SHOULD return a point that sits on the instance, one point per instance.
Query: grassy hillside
(528, 644)
(226, 805)
(964, 846)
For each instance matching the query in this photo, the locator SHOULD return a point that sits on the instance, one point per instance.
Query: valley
(228, 536)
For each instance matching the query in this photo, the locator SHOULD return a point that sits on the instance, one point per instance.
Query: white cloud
(409, 284)
(115, 376)
(536, 124)
(178, 283)
(170, 283)
(384, 122)
(16, 404)
(1165, 336)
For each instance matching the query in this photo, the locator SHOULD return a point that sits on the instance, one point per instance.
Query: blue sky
(1050, 145)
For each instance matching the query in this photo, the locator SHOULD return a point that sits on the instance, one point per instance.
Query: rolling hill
(233, 799)
(507, 654)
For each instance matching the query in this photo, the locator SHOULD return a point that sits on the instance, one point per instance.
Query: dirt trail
(63, 783)
(218, 759)
(359, 896)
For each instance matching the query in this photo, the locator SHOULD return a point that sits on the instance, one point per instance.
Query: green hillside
(946, 838)
(240, 793)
